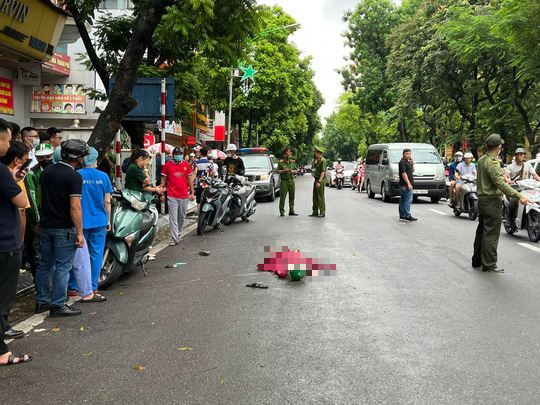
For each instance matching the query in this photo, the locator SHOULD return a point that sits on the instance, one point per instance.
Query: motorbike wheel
(473, 210)
(111, 269)
(204, 218)
(533, 229)
(370, 193)
(457, 213)
(510, 230)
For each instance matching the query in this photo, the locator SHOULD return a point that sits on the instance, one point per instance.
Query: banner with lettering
(6, 96)
(59, 98)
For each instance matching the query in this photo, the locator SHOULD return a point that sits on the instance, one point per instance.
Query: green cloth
(135, 178)
(287, 187)
(318, 167)
(490, 179)
(319, 204)
(284, 165)
(32, 187)
(487, 233)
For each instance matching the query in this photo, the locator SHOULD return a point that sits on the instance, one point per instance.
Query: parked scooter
(215, 204)
(133, 229)
(243, 204)
(340, 177)
(527, 217)
(468, 198)
(355, 180)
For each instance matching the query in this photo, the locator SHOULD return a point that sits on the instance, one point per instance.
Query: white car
(535, 164)
(331, 174)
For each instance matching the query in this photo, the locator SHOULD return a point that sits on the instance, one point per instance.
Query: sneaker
(66, 310)
(412, 219)
(41, 308)
(13, 334)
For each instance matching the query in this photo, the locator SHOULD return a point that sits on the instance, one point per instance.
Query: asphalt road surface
(405, 320)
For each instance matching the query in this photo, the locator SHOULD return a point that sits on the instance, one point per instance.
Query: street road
(406, 320)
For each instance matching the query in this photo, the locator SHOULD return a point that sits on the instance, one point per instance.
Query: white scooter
(528, 217)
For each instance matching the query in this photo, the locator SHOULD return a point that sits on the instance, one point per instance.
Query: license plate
(420, 191)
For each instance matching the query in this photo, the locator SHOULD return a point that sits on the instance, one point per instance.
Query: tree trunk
(135, 130)
(121, 101)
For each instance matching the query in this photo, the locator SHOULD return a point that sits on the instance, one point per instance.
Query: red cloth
(177, 178)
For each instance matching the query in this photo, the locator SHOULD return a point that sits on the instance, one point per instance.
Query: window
(373, 157)
(420, 156)
(116, 4)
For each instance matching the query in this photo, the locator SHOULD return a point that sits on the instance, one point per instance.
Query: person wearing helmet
(458, 157)
(61, 231)
(177, 176)
(519, 169)
(464, 168)
(233, 163)
(339, 167)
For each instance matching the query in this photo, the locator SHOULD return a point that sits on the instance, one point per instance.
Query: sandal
(173, 243)
(95, 298)
(257, 285)
(13, 356)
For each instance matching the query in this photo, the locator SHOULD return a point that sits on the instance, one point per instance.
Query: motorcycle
(133, 229)
(355, 180)
(243, 204)
(340, 177)
(527, 217)
(215, 203)
(468, 198)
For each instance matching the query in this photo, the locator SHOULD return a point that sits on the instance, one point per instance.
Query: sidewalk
(26, 282)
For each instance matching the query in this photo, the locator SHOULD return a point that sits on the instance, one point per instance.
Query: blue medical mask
(178, 158)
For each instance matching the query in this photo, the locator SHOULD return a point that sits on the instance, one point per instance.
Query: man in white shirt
(519, 169)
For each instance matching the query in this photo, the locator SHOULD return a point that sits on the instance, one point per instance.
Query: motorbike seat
(147, 222)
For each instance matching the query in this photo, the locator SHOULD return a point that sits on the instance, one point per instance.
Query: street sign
(149, 139)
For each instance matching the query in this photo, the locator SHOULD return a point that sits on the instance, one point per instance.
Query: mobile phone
(20, 173)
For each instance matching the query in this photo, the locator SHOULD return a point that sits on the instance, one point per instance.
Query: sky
(320, 36)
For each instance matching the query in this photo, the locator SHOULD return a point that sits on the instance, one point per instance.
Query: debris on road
(257, 285)
(56, 329)
(185, 349)
(87, 354)
(39, 330)
(204, 253)
(174, 265)
(138, 367)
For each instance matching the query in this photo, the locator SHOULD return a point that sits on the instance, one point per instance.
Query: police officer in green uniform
(287, 171)
(490, 188)
(319, 172)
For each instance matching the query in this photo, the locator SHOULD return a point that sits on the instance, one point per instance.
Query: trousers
(319, 204)
(287, 187)
(177, 216)
(10, 263)
(405, 202)
(487, 233)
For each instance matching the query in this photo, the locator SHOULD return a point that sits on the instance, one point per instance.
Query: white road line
(438, 212)
(35, 320)
(530, 247)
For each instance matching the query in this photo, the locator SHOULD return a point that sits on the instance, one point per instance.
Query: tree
(162, 38)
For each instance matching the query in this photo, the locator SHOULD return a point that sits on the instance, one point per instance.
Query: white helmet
(231, 148)
(458, 153)
(468, 155)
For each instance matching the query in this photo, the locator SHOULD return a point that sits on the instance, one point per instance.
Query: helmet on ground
(519, 150)
(177, 151)
(468, 155)
(74, 148)
(297, 272)
(231, 148)
(45, 149)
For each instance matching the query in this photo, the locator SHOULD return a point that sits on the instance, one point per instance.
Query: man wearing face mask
(61, 231)
(30, 137)
(177, 176)
(490, 187)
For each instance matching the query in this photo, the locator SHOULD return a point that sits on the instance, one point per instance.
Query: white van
(382, 173)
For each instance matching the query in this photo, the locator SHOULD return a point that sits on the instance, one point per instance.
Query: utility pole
(234, 73)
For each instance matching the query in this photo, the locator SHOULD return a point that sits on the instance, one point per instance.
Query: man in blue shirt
(96, 206)
(458, 157)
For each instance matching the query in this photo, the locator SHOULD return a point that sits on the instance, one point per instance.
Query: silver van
(382, 173)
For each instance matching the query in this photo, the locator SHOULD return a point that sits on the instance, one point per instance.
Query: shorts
(198, 194)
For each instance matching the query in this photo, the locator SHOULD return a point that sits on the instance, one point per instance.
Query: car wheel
(385, 196)
(110, 270)
(370, 193)
(272, 196)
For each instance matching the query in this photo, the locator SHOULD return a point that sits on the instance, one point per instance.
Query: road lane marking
(438, 212)
(530, 247)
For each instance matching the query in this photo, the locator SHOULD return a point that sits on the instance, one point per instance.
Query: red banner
(6, 96)
(219, 133)
(59, 63)
(149, 139)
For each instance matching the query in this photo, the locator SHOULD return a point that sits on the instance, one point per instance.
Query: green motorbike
(133, 229)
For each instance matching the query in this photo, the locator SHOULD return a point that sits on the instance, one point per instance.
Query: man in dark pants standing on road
(406, 185)
(287, 171)
(490, 187)
(319, 172)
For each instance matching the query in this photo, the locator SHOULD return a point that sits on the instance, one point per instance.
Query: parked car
(382, 173)
(536, 165)
(331, 174)
(261, 171)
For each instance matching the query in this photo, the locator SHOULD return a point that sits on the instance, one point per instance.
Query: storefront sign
(30, 27)
(59, 64)
(149, 139)
(59, 98)
(6, 96)
(30, 73)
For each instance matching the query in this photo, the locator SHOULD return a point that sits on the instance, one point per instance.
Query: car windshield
(418, 155)
(256, 162)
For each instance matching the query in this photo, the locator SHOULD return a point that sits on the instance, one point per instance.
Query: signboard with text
(59, 98)
(59, 64)
(6, 96)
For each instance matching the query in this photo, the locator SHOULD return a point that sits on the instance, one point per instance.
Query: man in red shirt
(177, 175)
